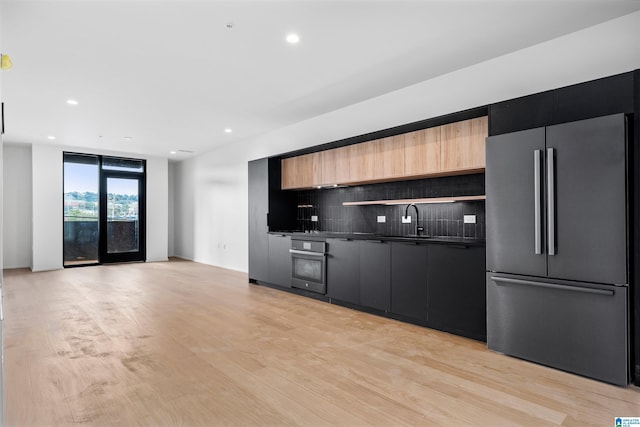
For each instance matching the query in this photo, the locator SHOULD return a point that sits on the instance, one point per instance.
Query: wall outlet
(469, 219)
(382, 218)
(406, 219)
(314, 218)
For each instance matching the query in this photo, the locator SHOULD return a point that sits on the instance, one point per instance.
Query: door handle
(551, 201)
(509, 281)
(537, 212)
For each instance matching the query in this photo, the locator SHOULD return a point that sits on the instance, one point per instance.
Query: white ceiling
(172, 76)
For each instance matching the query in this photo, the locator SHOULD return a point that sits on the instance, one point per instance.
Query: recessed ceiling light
(228, 130)
(172, 152)
(72, 102)
(51, 137)
(293, 38)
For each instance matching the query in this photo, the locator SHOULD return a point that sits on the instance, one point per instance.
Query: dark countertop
(322, 235)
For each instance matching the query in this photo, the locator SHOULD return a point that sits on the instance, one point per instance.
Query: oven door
(308, 270)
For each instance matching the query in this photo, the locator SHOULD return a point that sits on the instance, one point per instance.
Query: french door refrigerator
(557, 286)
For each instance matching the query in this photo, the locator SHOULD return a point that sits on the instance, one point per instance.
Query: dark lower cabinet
(409, 280)
(375, 274)
(343, 270)
(457, 290)
(279, 260)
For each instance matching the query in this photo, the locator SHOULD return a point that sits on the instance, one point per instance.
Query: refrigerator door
(515, 203)
(576, 327)
(588, 226)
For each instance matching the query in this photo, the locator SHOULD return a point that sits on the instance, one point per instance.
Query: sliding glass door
(104, 205)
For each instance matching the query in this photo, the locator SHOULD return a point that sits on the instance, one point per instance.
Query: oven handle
(295, 251)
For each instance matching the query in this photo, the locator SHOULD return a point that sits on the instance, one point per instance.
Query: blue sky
(84, 178)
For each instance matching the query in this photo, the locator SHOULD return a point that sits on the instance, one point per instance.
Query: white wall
(210, 209)
(157, 208)
(211, 190)
(46, 172)
(16, 242)
(171, 171)
(47, 187)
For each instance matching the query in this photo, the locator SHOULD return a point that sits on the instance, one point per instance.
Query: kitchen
(318, 225)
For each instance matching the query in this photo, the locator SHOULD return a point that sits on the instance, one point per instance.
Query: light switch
(382, 218)
(469, 219)
(406, 219)
(314, 218)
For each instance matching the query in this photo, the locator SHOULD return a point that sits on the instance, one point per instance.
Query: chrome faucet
(406, 211)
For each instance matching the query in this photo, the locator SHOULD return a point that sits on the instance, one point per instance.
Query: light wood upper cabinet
(342, 157)
(315, 160)
(422, 152)
(288, 167)
(328, 167)
(298, 172)
(388, 157)
(463, 144)
(454, 148)
(361, 161)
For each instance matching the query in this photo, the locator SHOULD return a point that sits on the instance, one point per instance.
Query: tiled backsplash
(445, 219)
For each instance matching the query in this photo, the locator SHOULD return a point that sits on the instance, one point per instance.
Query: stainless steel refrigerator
(557, 279)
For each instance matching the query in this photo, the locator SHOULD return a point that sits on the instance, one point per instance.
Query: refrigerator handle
(551, 208)
(536, 194)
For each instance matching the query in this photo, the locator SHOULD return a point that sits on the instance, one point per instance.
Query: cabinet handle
(551, 184)
(295, 251)
(536, 210)
(508, 281)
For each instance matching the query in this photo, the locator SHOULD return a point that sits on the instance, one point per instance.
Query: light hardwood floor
(182, 343)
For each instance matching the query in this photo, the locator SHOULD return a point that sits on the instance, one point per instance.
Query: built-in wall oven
(308, 265)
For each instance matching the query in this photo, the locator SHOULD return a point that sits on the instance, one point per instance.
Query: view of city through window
(82, 212)
(84, 206)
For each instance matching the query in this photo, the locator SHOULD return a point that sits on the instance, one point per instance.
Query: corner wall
(16, 242)
(211, 189)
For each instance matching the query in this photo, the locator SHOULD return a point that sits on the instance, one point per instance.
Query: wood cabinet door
(463, 144)
(388, 157)
(314, 174)
(422, 151)
(361, 161)
(328, 167)
(298, 172)
(342, 164)
(288, 167)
